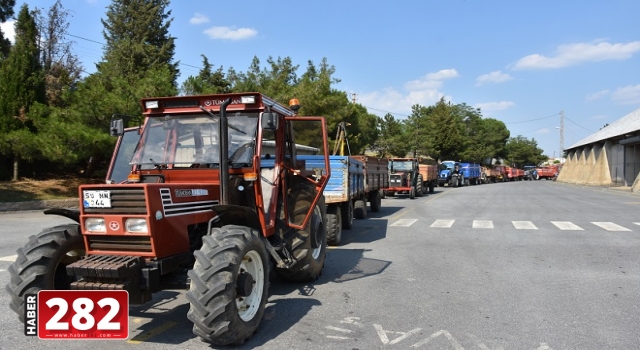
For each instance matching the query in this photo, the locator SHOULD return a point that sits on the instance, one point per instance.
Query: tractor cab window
(170, 142)
(447, 165)
(402, 165)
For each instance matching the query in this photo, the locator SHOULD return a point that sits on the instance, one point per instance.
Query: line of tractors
(216, 195)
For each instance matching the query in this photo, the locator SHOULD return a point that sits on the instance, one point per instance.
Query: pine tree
(21, 85)
(138, 40)
(6, 12)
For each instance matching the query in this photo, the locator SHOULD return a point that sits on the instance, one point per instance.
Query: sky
(525, 63)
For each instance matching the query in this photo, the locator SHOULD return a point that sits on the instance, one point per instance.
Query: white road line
(456, 345)
(567, 226)
(482, 223)
(524, 225)
(339, 329)
(443, 223)
(610, 226)
(405, 336)
(404, 222)
(637, 223)
(337, 337)
(9, 258)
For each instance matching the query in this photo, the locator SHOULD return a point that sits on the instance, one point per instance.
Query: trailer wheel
(334, 225)
(419, 189)
(376, 201)
(229, 285)
(360, 209)
(466, 182)
(310, 255)
(347, 214)
(431, 187)
(42, 262)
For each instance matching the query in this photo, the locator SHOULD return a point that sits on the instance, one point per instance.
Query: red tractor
(209, 195)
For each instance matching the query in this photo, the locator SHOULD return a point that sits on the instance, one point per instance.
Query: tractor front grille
(119, 243)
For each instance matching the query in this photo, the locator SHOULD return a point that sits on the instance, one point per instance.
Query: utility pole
(561, 134)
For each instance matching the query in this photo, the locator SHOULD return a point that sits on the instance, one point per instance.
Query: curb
(71, 203)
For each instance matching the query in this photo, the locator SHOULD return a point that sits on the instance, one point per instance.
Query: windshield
(401, 165)
(182, 141)
(447, 165)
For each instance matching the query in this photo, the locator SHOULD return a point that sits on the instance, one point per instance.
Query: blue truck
(469, 174)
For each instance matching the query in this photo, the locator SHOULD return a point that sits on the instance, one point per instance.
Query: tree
(446, 132)
(391, 141)
(417, 130)
(207, 81)
(21, 85)
(522, 151)
(138, 40)
(6, 12)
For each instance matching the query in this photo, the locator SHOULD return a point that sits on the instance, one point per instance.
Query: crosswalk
(518, 225)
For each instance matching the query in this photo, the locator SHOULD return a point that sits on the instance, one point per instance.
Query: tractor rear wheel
(42, 262)
(431, 186)
(229, 285)
(334, 225)
(309, 245)
(412, 193)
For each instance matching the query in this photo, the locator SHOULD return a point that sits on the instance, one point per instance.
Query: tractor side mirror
(117, 127)
(269, 121)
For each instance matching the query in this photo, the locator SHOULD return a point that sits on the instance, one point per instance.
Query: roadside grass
(30, 190)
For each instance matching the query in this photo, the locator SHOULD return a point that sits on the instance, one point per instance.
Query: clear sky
(521, 62)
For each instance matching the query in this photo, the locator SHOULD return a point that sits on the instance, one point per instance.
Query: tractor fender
(227, 214)
(73, 214)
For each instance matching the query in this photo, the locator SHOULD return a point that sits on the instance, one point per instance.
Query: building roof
(630, 123)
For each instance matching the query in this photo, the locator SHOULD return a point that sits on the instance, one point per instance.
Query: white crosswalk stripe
(9, 258)
(443, 223)
(567, 226)
(482, 224)
(524, 225)
(404, 222)
(610, 226)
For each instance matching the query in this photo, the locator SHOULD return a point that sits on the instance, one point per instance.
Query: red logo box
(83, 314)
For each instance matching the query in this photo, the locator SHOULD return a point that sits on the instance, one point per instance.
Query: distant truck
(405, 177)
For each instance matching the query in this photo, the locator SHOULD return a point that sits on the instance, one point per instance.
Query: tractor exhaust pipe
(224, 153)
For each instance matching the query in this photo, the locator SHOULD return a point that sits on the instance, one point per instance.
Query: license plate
(96, 199)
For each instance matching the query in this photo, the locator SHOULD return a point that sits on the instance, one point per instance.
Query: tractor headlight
(136, 225)
(95, 225)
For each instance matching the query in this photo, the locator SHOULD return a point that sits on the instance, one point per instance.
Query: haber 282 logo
(77, 314)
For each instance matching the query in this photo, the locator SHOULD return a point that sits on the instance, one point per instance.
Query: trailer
(344, 195)
(429, 177)
(548, 172)
(514, 174)
(470, 173)
(376, 179)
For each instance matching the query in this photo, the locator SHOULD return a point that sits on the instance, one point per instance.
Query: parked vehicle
(548, 172)
(471, 173)
(445, 170)
(490, 175)
(429, 175)
(404, 177)
(203, 207)
(531, 173)
(376, 179)
(514, 174)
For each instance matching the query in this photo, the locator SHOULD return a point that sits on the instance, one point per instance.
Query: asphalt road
(525, 265)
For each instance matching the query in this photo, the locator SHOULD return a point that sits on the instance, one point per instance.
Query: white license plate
(96, 199)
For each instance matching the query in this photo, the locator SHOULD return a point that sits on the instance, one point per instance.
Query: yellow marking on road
(142, 337)
(404, 212)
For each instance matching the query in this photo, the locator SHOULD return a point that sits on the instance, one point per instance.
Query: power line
(380, 110)
(532, 120)
(579, 125)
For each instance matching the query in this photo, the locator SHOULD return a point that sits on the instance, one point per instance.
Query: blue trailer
(471, 173)
(344, 195)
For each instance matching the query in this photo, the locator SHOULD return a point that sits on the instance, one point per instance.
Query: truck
(345, 195)
(214, 198)
(490, 175)
(405, 177)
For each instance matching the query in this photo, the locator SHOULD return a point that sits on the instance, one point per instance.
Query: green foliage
(446, 132)
(207, 81)
(391, 141)
(21, 85)
(138, 40)
(522, 151)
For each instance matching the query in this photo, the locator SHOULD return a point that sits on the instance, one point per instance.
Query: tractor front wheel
(376, 201)
(42, 262)
(229, 285)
